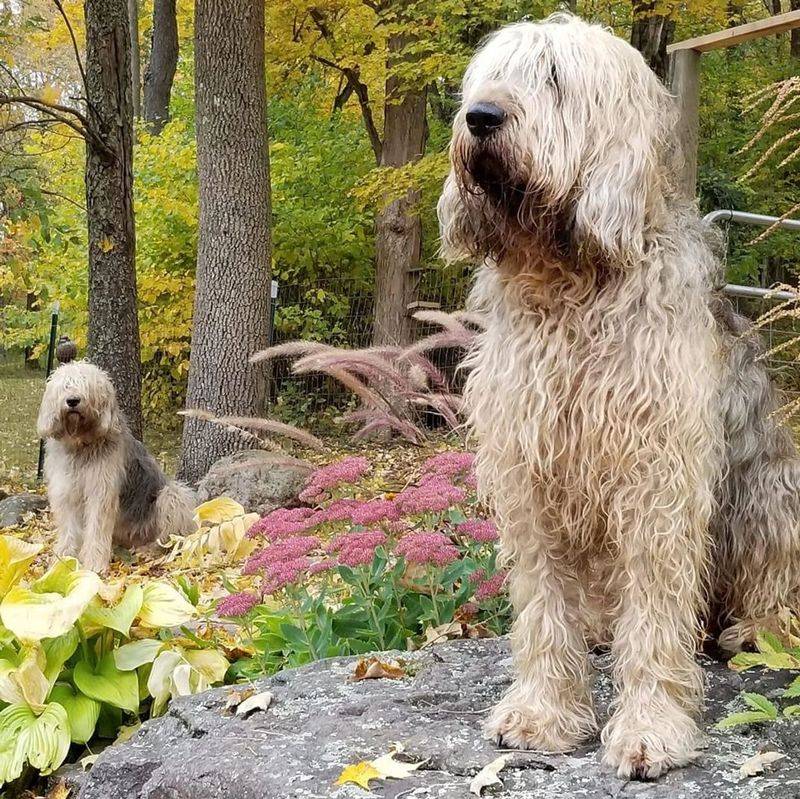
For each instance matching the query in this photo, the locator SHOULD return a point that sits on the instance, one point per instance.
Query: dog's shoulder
(142, 482)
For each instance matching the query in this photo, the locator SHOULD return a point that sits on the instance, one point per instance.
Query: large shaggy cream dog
(103, 485)
(623, 428)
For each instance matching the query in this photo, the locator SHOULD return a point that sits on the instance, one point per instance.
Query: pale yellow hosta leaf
(216, 511)
(211, 663)
(137, 653)
(52, 604)
(225, 542)
(27, 683)
(164, 606)
(15, 557)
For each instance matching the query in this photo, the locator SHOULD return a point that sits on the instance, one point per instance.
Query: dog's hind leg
(101, 513)
(756, 576)
(174, 511)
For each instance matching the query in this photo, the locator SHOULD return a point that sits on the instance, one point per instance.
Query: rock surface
(320, 721)
(15, 508)
(260, 481)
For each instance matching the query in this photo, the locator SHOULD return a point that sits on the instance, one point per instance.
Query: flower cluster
(284, 522)
(426, 548)
(488, 587)
(237, 605)
(449, 464)
(482, 531)
(281, 551)
(357, 548)
(433, 495)
(321, 481)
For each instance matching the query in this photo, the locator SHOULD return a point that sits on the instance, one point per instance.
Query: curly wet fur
(619, 418)
(103, 485)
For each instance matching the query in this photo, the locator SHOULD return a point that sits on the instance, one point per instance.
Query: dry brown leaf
(757, 763)
(256, 702)
(237, 696)
(375, 669)
(488, 775)
(455, 630)
(59, 791)
(382, 768)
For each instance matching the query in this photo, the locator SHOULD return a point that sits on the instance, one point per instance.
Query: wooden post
(685, 85)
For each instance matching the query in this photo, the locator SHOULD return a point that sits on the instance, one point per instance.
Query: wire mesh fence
(340, 313)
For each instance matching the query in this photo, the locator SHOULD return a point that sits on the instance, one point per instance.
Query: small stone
(15, 509)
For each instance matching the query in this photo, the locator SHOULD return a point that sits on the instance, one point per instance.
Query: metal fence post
(51, 349)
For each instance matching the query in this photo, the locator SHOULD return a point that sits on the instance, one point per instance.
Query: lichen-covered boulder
(320, 721)
(260, 481)
(15, 509)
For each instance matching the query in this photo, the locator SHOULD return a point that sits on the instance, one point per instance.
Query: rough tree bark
(650, 35)
(398, 229)
(160, 70)
(233, 254)
(113, 323)
(136, 63)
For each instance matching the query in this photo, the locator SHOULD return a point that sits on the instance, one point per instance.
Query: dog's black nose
(484, 118)
(73, 402)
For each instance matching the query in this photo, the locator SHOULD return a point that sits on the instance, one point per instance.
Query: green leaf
(121, 616)
(82, 711)
(793, 690)
(746, 660)
(746, 717)
(108, 684)
(768, 643)
(43, 740)
(130, 656)
(791, 710)
(58, 651)
(164, 606)
(759, 702)
(52, 605)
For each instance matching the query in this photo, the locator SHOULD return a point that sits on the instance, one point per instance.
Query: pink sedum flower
(449, 464)
(320, 566)
(433, 495)
(357, 548)
(481, 531)
(429, 549)
(491, 587)
(280, 552)
(347, 470)
(376, 510)
(283, 574)
(340, 510)
(237, 605)
(284, 522)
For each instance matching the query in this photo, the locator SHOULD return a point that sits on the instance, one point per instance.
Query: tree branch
(61, 11)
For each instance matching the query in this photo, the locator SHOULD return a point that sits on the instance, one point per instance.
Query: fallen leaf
(256, 702)
(488, 775)
(375, 669)
(757, 763)
(235, 698)
(59, 791)
(360, 774)
(127, 732)
(382, 768)
(87, 762)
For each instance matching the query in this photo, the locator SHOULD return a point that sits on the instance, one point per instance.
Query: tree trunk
(650, 35)
(136, 72)
(160, 70)
(113, 323)
(231, 309)
(398, 229)
(794, 47)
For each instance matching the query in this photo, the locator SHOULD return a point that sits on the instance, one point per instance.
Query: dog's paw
(645, 752)
(94, 562)
(519, 725)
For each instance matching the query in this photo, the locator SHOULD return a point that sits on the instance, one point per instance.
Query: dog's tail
(175, 510)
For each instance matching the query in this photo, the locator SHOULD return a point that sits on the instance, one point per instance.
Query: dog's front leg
(102, 511)
(659, 525)
(549, 705)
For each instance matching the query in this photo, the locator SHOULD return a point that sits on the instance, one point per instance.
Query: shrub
(78, 657)
(352, 575)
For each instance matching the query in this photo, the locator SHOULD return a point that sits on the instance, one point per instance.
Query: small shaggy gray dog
(625, 442)
(103, 485)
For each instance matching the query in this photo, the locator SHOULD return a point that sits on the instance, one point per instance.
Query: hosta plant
(78, 657)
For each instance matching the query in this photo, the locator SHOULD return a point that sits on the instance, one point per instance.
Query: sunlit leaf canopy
(325, 182)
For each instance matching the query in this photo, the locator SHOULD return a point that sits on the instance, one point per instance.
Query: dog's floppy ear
(48, 422)
(623, 182)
